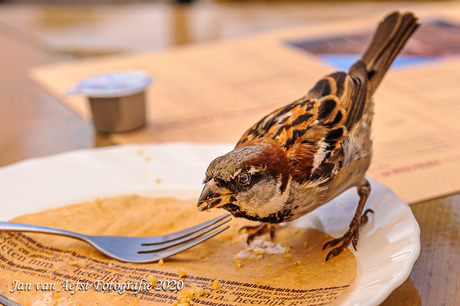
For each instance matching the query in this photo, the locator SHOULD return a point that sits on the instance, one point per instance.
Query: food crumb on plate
(186, 296)
(260, 246)
(151, 279)
(238, 263)
(182, 273)
(215, 285)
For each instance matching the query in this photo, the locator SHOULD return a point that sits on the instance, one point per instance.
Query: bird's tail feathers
(390, 37)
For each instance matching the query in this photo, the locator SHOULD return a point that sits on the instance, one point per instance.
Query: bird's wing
(312, 128)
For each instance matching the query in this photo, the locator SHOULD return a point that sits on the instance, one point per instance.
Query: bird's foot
(258, 230)
(352, 235)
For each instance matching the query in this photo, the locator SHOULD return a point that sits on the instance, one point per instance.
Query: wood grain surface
(33, 124)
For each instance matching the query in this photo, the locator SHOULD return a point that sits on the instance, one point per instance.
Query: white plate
(388, 246)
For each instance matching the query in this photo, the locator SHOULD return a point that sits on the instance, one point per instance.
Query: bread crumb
(215, 285)
(182, 273)
(161, 262)
(255, 275)
(259, 251)
(260, 246)
(269, 265)
(287, 253)
(238, 263)
(158, 181)
(186, 296)
(151, 279)
(298, 262)
(147, 159)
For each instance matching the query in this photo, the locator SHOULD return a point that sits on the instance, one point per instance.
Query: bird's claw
(364, 217)
(352, 235)
(333, 253)
(347, 238)
(331, 243)
(258, 231)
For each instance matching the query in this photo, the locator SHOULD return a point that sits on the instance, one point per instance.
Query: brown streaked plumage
(304, 154)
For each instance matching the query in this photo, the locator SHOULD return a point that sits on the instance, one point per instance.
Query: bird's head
(252, 180)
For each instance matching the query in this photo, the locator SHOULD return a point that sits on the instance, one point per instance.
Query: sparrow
(308, 152)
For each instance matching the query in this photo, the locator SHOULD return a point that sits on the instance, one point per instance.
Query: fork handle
(20, 227)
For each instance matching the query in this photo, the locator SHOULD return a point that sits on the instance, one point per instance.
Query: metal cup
(117, 99)
(119, 114)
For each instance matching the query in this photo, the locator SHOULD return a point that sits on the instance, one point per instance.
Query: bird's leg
(352, 235)
(259, 230)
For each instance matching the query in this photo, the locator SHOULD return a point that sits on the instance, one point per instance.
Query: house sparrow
(306, 153)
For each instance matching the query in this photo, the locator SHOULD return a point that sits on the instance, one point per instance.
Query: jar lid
(112, 85)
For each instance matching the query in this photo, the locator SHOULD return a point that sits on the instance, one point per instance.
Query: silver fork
(7, 302)
(136, 249)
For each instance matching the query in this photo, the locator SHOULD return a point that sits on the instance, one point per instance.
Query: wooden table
(33, 124)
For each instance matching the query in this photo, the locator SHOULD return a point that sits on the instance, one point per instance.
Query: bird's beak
(213, 196)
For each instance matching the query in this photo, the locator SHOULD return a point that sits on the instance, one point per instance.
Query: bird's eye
(244, 178)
